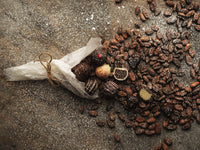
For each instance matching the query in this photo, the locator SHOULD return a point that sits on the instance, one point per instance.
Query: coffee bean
(140, 119)
(159, 147)
(178, 107)
(186, 126)
(93, 113)
(197, 27)
(146, 14)
(128, 124)
(164, 146)
(111, 116)
(111, 124)
(168, 141)
(137, 10)
(151, 120)
(100, 123)
(167, 13)
(81, 109)
(192, 73)
(194, 84)
(116, 137)
(171, 127)
(189, 60)
(158, 128)
(149, 132)
(171, 20)
(139, 131)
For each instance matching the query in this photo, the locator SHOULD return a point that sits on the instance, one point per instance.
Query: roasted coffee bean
(152, 126)
(100, 123)
(159, 147)
(167, 13)
(143, 125)
(149, 132)
(196, 6)
(111, 116)
(189, 60)
(171, 127)
(195, 17)
(157, 12)
(171, 20)
(178, 107)
(140, 119)
(142, 17)
(191, 52)
(121, 117)
(164, 146)
(111, 124)
(194, 84)
(159, 35)
(170, 3)
(116, 137)
(137, 10)
(139, 131)
(128, 124)
(158, 128)
(149, 32)
(197, 27)
(146, 14)
(189, 24)
(152, 6)
(186, 126)
(168, 141)
(192, 73)
(93, 113)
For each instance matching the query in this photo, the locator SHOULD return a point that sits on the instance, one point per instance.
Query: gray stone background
(33, 114)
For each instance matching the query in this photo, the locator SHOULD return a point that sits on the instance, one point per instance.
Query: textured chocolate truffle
(91, 86)
(99, 57)
(103, 71)
(110, 88)
(120, 74)
(82, 71)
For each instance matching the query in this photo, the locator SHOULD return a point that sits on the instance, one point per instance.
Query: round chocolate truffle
(110, 88)
(91, 86)
(98, 57)
(82, 71)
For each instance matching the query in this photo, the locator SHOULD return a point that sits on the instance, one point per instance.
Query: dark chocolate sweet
(91, 86)
(132, 101)
(82, 71)
(99, 57)
(120, 74)
(110, 88)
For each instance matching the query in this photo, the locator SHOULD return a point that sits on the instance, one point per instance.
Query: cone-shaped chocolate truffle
(82, 71)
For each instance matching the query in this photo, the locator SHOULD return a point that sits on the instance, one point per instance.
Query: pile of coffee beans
(153, 62)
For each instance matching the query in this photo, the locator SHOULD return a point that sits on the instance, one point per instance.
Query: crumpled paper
(60, 69)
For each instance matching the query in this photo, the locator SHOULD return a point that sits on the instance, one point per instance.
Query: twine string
(54, 81)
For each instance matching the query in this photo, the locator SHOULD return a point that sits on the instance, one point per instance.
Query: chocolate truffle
(120, 74)
(103, 71)
(110, 88)
(82, 71)
(98, 57)
(91, 86)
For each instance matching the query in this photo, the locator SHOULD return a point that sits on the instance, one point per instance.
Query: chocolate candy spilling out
(120, 74)
(103, 71)
(91, 86)
(110, 88)
(82, 71)
(98, 57)
(145, 95)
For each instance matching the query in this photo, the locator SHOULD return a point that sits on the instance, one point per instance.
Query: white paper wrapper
(60, 69)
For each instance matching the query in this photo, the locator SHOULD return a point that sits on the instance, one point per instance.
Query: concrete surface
(33, 114)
